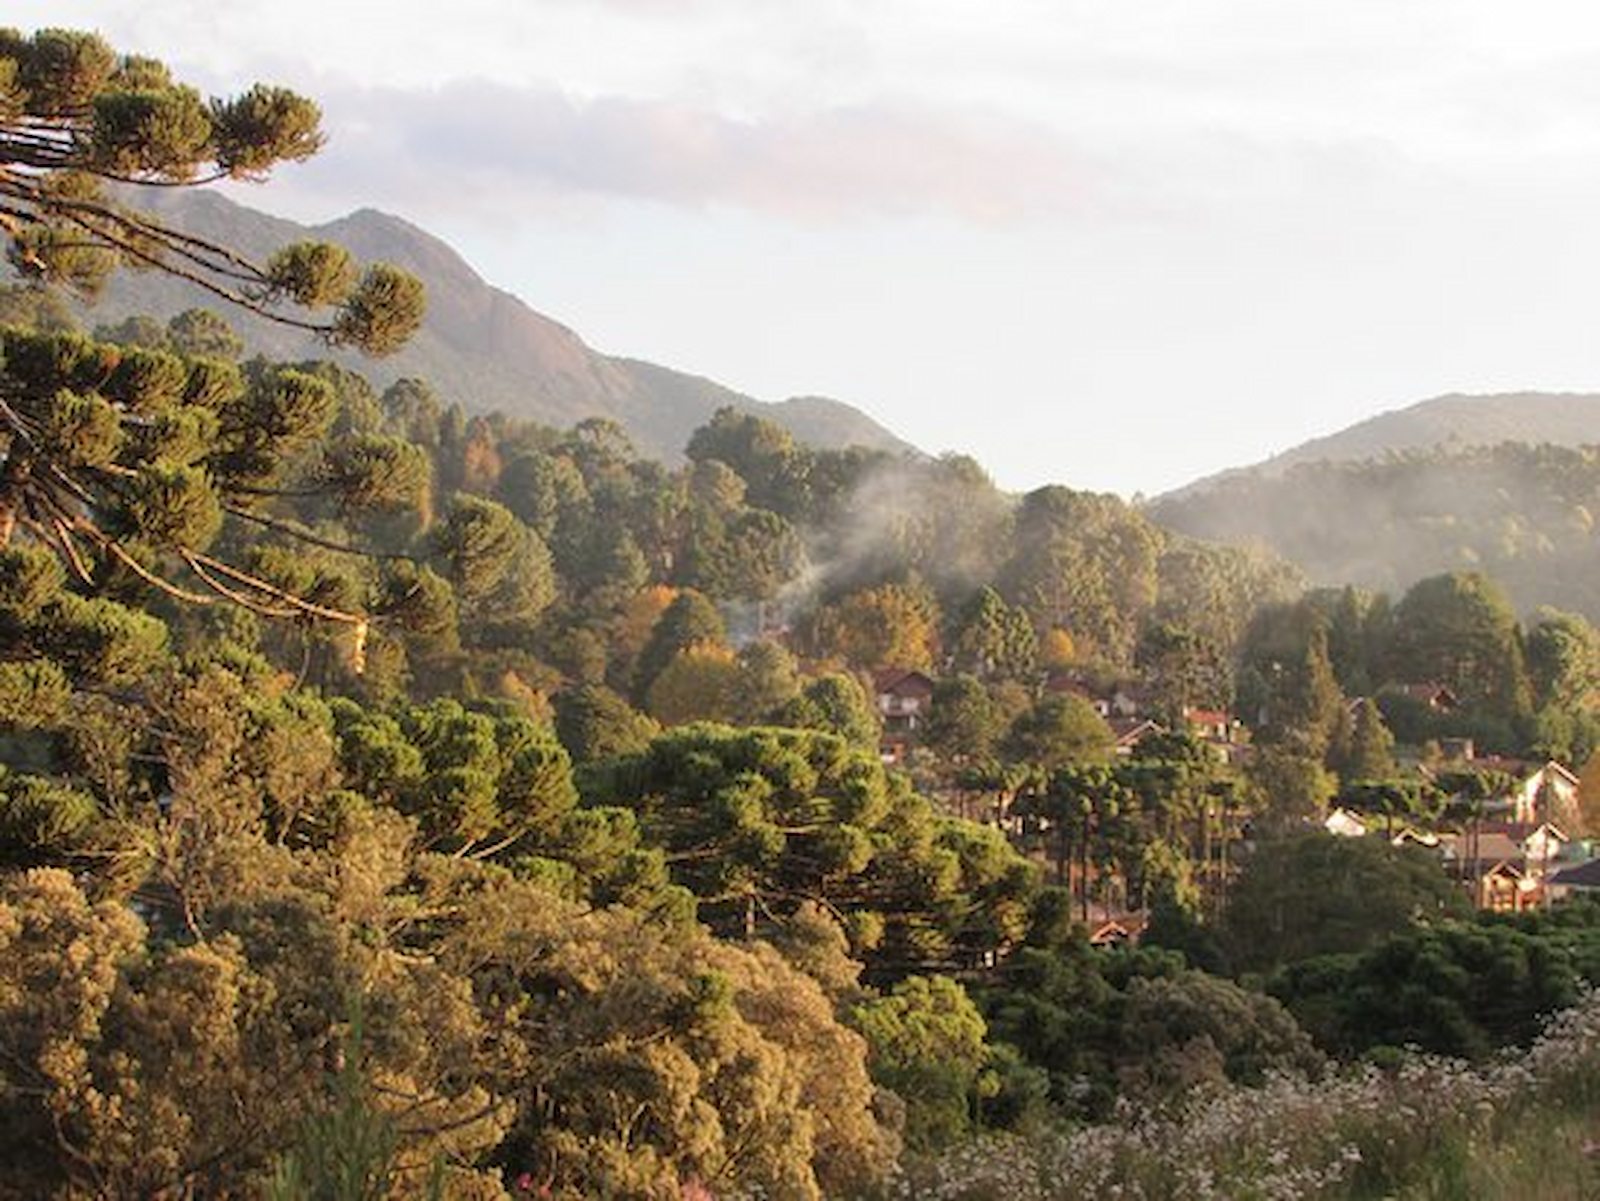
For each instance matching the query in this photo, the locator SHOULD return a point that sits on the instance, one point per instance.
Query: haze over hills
(1455, 420)
(1508, 485)
(479, 345)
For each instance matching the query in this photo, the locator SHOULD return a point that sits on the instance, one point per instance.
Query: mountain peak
(479, 345)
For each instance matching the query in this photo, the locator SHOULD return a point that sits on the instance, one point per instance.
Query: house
(1411, 836)
(1505, 864)
(904, 697)
(1221, 731)
(1506, 888)
(1119, 931)
(1548, 793)
(1576, 878)
(1123, 700)
(1342, 823)
(1539, 792)
(1430, 694)
(1130, 731)
(1212, 725)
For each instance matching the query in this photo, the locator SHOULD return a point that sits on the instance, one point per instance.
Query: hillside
(479, 345)
(1455, 420)
(1524, 514)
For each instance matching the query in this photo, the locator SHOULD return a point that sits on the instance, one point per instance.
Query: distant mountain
(1454, 421)
(479, 345)
(1527, 515)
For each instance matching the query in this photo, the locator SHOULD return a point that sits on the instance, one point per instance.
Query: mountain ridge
(480, 344)
(1507, 484)
(1452, 419)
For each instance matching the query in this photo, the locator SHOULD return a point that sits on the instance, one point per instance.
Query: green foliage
(1136, 1022)
(595, 723)
(689, 620)
(498, 566)
(375, 473)
(200, 333)
(1061, 729)
(474, 782)
(757, 822)
(768, 679)
(699, 684)
(927, 1042)
(1294, 788)
(1459, 629)
(34, 693)
(1465, 990)
(347, 1151)
(658, 1057)
(995, 639)
(1317, 894)
(837, 704)
(1287, 679)
(965, 724)
(1522, 514)
(125, 458)
(78, 114)
(1085, 563)
(41, 820)
(891, 625)
(263, 126)
(382, 312)
(100, 642)
(1370, 753)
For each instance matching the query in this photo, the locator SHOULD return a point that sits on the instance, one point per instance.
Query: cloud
(471, 140)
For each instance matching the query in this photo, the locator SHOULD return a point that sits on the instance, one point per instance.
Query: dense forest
(398, 800)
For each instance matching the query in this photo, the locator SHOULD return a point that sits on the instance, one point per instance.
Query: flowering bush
(1368, 1130)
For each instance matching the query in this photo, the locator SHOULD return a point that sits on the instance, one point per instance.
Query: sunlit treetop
(76, 116)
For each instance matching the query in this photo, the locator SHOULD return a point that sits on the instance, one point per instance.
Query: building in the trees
(1578, 878)
(904, 697)
(1130, 731)
(1430, 694)
(1342, 823)
(1506, 865)
(1548, 793)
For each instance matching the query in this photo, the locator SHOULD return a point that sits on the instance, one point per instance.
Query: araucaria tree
(129, 458)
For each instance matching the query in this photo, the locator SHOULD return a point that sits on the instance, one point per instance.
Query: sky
(1116, 244)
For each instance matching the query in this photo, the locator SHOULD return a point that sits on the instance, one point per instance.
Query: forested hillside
(1523, 514)
(1455, 422)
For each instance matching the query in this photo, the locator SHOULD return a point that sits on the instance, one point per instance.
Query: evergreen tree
(995, 639)
(1459, 630)
(128, 458)
(1371, 748)
(688, 620)
(76, 115)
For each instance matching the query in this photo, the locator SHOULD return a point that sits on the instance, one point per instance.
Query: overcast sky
(1114, 244)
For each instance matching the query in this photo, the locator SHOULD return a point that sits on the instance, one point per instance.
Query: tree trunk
(1083, 871)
